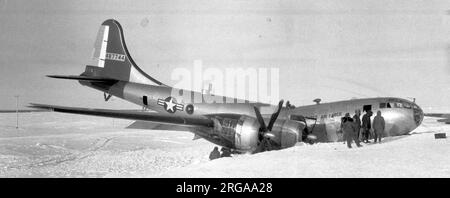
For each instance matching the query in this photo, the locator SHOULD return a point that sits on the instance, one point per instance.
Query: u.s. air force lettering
(170, 104)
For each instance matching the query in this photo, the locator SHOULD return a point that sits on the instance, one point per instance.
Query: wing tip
(40, 106)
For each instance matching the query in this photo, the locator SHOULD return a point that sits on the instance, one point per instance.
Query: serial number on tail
(116, 57)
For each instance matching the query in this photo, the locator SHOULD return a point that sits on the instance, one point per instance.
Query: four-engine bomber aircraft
(238, 126)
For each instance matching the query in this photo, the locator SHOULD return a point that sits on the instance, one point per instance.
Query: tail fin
(113, 59)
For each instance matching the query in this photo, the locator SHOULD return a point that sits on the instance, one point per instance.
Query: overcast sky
(332, 50)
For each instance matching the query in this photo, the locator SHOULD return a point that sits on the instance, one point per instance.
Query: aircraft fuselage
(401, 116)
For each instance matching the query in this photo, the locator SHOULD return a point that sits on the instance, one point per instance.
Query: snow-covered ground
(64, 145)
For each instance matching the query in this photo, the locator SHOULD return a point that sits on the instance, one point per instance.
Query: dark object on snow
(440, 136)
(225, 152)
(214, 154)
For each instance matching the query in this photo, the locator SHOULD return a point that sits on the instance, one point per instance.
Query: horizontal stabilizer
(84, 78)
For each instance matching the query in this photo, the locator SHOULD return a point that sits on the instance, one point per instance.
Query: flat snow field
(51, 144)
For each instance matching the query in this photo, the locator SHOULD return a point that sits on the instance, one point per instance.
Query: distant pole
(17, 111)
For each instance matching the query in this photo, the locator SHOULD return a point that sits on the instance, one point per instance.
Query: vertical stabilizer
(113, 59)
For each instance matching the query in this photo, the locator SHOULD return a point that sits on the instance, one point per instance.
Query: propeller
(274, 116)
(264, 131)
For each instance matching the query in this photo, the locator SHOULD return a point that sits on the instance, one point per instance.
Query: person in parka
(341, 130)
(366, 125)
(214, 154)
(357, 121)
(349, 129)
(378, 126)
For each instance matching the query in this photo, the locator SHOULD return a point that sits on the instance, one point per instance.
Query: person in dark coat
(214, 154)
(378, 126)
(357, 121)
(341, 129)
(349, 129)
(366, 125)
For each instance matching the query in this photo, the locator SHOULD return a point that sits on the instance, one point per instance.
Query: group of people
(351, 127)
(215, 154)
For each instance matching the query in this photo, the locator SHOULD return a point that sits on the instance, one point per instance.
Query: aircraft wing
(23, 110)
(159, 126)
(445, 117)
(132, 115)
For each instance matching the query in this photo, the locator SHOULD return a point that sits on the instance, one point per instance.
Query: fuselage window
(382, 105)
(398, 105)
(144, 100)
(389, 105)
(406, 105)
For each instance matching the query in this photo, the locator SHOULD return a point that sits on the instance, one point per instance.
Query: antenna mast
(17, 111)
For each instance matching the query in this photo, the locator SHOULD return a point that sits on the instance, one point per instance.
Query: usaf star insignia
(170, 104)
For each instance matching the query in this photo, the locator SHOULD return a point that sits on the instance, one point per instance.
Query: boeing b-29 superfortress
(237, 126)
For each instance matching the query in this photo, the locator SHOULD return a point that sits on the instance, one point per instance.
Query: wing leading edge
(445, 117)
(132, 115)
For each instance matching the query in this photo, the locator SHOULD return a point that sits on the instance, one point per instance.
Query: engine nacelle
(246, 137)
(287, 132)
(242, 133)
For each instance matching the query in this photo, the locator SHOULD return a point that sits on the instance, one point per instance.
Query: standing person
(378, 126)
(349, 129)
(343, 120)
(357, 121)
(366, 125)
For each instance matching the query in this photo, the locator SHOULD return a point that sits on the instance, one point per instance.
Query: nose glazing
(418, 114)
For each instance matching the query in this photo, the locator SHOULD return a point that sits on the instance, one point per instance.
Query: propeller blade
(274, 116)
(262, 124)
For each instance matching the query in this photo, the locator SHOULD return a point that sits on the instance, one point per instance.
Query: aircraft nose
(418, 115)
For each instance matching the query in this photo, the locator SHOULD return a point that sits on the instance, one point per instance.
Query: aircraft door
(144, 100)
(367, 108)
